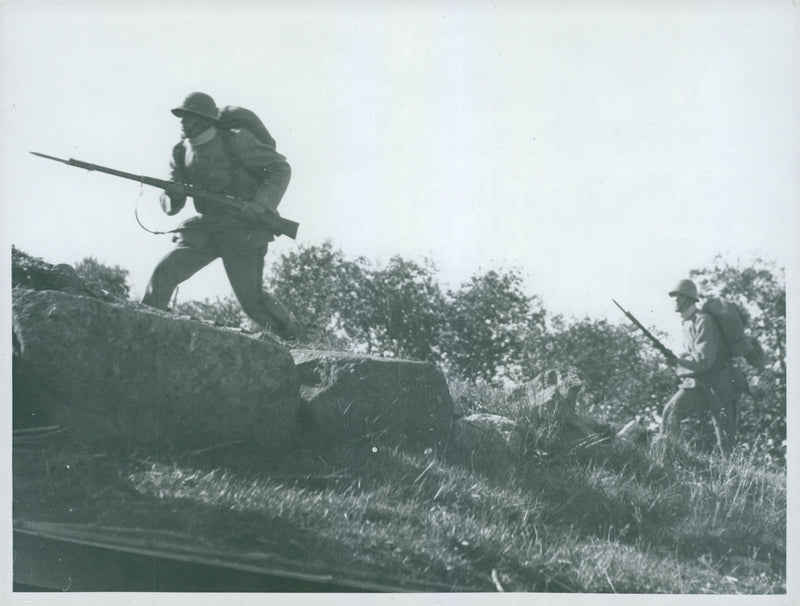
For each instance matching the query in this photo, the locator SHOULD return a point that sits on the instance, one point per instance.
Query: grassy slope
(544, 517)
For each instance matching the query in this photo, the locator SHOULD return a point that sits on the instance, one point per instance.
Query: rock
(121, 375)
(482, 437)
(554, 393)
(350, 397)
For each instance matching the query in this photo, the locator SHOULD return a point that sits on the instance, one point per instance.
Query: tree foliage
(392, 310)
(489, 319)
(399, 309)
(111, 280)
(321, 287)
(404, 311)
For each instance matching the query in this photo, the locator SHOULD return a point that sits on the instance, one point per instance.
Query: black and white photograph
(399, 302)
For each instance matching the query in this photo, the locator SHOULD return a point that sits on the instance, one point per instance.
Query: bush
(98, 277)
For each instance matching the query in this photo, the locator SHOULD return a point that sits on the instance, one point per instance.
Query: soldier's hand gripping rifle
(277, 224)
(672, 359)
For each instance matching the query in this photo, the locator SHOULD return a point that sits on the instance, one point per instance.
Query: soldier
(708, 378)
(236, 163)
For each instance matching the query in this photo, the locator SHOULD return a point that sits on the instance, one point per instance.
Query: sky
(603, 149)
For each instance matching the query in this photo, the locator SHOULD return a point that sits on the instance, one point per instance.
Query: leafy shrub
(111, 280)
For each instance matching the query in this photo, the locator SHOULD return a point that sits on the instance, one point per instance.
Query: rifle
(273, 220)
(671, 357)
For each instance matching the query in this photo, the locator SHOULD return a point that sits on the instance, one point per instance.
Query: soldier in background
(232, 162)
(708, 378)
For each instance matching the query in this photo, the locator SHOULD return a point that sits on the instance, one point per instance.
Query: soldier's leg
(246, 276)
(178, 265)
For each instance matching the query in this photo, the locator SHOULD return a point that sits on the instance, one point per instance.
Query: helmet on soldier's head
(685, 287)
(200, 104)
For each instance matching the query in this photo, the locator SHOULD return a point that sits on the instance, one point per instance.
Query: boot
(281, 321)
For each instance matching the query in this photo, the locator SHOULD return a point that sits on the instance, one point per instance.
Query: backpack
(732, 319)
(231, 116)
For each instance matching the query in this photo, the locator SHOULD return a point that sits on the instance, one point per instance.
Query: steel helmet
(685, 287)
(200, 104)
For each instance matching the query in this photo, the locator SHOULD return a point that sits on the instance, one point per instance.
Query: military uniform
(234, 163)
(709, 380)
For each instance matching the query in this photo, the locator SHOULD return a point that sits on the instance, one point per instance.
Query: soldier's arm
(174, 197)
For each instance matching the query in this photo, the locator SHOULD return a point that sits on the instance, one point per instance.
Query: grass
(564, 517)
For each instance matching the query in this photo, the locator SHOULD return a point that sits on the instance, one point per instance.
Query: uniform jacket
(235, 163)
(232, 162)
(709, 358)
(706, 350)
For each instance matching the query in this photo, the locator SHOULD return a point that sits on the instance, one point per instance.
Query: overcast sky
(605, 149)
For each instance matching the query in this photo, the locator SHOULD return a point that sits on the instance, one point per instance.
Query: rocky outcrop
(350, 397)
(123, 375)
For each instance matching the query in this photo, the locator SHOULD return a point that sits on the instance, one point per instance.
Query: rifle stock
(665, 351)
(271, 219)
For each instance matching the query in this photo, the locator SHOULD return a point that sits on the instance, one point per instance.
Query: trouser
(720, 397)
(245, 273)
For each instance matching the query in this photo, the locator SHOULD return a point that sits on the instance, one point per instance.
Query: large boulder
(122, 375)
(350, 397)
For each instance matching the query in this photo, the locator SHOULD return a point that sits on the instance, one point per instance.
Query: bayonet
(671, 357)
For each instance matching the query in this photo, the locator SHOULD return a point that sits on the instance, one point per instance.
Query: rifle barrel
(280, 225)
